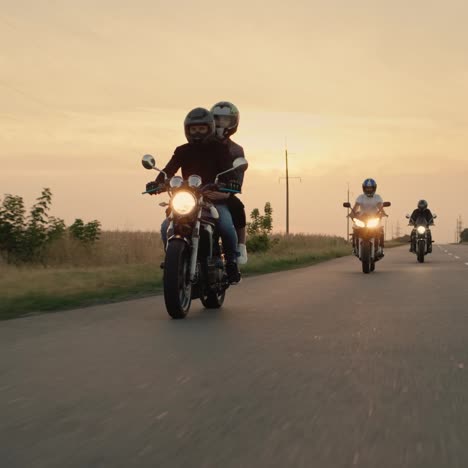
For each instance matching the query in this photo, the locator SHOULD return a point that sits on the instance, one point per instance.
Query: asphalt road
(318, 367)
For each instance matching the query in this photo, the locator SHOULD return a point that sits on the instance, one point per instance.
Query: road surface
(318, 367)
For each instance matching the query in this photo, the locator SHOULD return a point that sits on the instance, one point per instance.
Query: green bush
(259, 229)
(27, 239)
(258, 243)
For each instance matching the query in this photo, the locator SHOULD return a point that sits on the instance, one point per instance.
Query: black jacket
(236, 151)
(206, 160)
(425, 215)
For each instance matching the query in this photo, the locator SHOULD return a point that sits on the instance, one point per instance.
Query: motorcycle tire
(213, 300)
(421, 251)
(176, 280)
(366, 257)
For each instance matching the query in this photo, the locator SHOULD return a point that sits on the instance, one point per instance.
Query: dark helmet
(369, 187)
(422, 205)
(203, 125)
(226, 116)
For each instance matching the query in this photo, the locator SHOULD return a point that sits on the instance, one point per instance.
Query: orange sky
(362, 88)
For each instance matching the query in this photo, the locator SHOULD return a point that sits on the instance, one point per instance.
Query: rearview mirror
(347, 205)
(148, 161)
(407, 216)
(387, 204)
(435, 216)
(240, 162)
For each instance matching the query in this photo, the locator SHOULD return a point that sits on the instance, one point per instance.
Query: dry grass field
(125, 264)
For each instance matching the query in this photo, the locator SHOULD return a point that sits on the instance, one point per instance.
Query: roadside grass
(124, 265)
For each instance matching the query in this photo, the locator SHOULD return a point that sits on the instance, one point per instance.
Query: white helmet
(226, 116)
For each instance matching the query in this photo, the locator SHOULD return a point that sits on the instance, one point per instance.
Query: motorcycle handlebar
(208, 187)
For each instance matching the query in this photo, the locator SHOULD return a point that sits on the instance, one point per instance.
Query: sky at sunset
(364, 88)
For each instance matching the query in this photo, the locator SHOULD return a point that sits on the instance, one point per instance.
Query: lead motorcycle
(366, 236)
(194, 266)
(421, 236)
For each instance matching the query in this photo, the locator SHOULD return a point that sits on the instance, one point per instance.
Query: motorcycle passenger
(205, 156)
(421, 215)
(226, 116)
(369, 202)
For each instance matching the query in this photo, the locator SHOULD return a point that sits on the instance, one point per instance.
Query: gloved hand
(234, 185)
(155, 187)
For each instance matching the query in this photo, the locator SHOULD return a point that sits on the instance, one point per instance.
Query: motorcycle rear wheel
(213, 300)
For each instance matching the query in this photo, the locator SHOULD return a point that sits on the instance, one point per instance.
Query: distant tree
(259, 229)
(12, 221)
(27, 238)
(87, 233)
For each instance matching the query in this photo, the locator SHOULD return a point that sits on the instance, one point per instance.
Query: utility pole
(459, 229)
(398, 230)
(287, 190)
(287, 186)
(347, 219)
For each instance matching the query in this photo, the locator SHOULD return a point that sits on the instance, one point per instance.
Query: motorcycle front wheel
(421, 251)
(177, 286)
(366, 257)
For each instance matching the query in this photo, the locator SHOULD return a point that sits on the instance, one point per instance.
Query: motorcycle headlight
(359, 223)
(421, 229)
(183, 202)
(194, 181)
(374, 222)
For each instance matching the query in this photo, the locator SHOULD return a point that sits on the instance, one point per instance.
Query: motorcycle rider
(421, 214)
(226, 117)
(370, 202)
(205, 156)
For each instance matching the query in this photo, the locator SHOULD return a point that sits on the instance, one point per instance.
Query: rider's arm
(237, 151)
(380, 208)
(355, 209)
(172, 166)
(413, 216)
(429, 216)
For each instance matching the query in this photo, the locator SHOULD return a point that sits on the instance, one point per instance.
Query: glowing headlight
(374, 222)
(359, 223)
(183, 202)
(194, 181)
(176, 181)
(421, 229)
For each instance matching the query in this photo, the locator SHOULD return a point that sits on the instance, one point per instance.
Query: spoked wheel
(213, 300)
(421, 251)
(366, 258)
(177, 286)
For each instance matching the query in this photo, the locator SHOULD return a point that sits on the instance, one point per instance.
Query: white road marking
(458, 258)
(466, 264)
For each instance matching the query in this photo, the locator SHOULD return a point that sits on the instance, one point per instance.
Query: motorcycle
(421, 237)
(366, 237)
(194, 266)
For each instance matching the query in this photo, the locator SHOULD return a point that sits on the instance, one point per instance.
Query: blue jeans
(226, 230)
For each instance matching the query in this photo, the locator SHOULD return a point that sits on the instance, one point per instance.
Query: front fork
(195, 244)
(358, 246)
